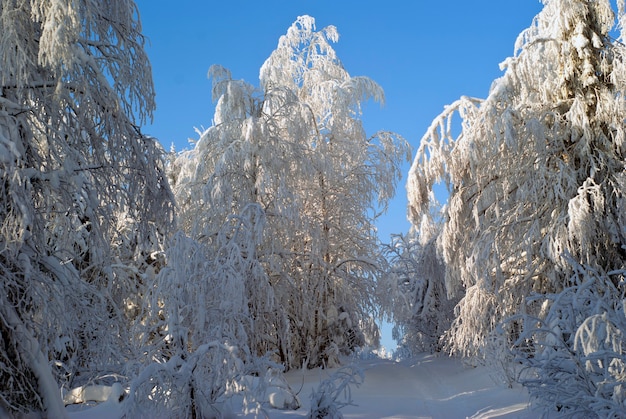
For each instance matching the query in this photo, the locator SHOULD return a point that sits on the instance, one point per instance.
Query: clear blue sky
(424, 53)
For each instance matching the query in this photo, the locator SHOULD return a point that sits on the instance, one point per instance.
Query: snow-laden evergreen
(536, 181)
(296, 148)
(83, 197)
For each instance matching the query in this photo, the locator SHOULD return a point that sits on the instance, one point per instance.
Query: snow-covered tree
(83, 197)
(297, 148)
(536, 175)
(416, 296)
(218, 179)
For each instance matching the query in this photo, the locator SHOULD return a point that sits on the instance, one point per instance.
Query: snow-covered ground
(423, 387)
(426, 386)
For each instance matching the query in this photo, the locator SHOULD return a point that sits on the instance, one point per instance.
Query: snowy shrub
(270, 389)
(195, 384)
(369, 352)
(573, 358)
(335, 393)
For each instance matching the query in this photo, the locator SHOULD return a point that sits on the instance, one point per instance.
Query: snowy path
(423, 387)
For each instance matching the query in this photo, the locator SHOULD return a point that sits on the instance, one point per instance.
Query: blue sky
(425, 54)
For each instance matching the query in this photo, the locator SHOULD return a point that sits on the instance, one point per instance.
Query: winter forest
(175, 281)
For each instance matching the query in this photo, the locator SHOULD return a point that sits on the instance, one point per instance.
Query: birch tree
(296, 147)
(536, 175)
(83, 197)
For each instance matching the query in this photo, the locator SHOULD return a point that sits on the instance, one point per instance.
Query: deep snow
(426, 386)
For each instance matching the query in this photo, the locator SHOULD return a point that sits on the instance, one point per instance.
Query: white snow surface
(426, 386)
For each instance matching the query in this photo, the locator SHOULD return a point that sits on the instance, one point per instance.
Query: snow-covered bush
(573, 357)
(270, 390)
(196, 383)
(335, 393)
(196, 322)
